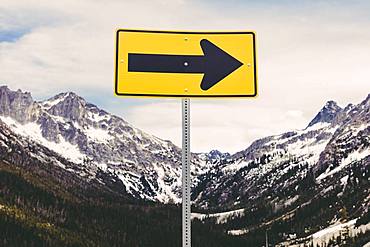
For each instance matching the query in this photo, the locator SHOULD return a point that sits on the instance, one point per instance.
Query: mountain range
(293, 185)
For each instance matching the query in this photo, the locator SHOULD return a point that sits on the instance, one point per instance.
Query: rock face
(17, 105)
(351, 140)
(326, 114)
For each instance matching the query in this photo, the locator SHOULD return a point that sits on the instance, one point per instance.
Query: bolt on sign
(185, 64)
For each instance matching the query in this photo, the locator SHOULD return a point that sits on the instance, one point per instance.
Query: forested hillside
(38, 211)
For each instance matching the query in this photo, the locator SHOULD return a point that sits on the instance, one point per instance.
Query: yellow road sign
(185, 64)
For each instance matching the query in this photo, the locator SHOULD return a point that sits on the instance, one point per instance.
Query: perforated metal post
(186, 201)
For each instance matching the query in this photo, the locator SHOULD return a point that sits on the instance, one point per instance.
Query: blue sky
(12, 35)
(308, 52)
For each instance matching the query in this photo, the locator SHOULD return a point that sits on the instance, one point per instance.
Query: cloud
(224, 125)
(308, 53)
(77, 51)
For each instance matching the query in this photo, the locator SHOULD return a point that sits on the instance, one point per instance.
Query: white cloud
(308, 53)
(224, 125)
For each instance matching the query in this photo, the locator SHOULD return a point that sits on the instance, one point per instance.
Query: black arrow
(215, 64)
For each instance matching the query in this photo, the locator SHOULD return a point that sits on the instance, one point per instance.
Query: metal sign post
(186, 188)
(203, 64)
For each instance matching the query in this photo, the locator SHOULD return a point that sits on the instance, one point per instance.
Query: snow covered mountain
(93, 139)
(335, 138)
(150, 168)
(283, 180)
(308, 187)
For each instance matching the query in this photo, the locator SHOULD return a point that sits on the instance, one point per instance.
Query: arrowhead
(217, 64)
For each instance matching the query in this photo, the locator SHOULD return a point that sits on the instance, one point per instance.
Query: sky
(308, 52)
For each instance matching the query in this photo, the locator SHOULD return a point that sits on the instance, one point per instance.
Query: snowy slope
(86, 135)
(334, 231)
(220, 217)
(335, 138)
(150, 168)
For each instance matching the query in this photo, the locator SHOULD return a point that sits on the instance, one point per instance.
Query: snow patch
(221, 218)
(344, 180)
(95, 117)
(237, 232)
(317, 126)
(356, 130)
(333, 229)
(33, 131)
(102, 166)
(168, 192)
(98, 135)
(351, 157)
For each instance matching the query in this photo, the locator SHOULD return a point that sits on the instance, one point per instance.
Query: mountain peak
(216, 155)
(68, 105)
(18, 105)
(367, 98)
(331, 104)
(7, 90)
(326, 114)
(65, 94)
(59, 98)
